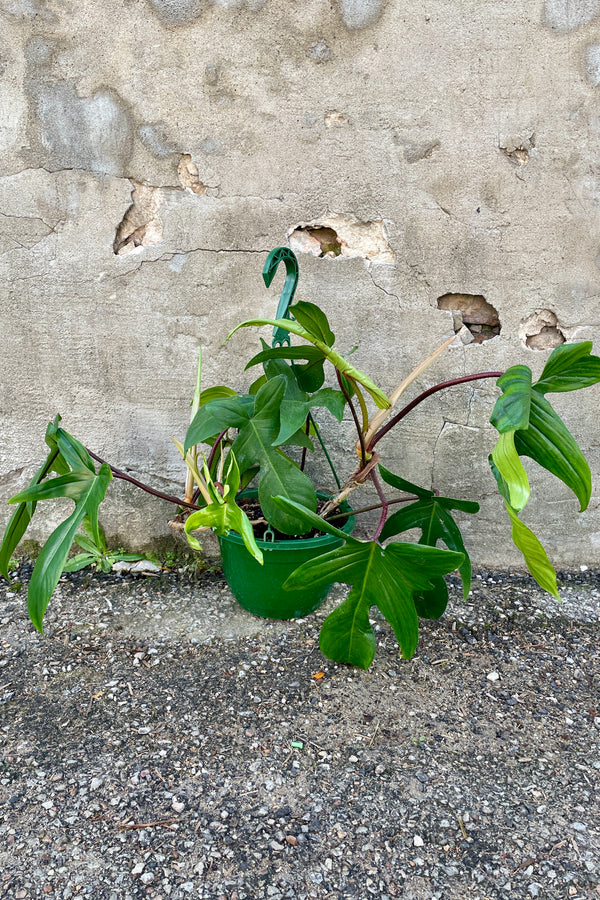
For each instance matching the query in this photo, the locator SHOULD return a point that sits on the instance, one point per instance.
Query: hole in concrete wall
(475, 319)
(541, 331)
(318, 241)
(518, 150)
(342, 236)
(188, 175)
(142, 224)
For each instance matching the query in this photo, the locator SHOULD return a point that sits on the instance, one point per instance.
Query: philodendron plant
(263, 436)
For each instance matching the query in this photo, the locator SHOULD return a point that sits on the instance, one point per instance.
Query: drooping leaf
(314, 320)
(569, 368)
(539, 432)
(53, 555)
(384, 577)
(511, 469)
(511, 410)
(550, 443)
(534, 554)
(71, 486)
(73, 451)
(432, 516)
(342, 365)
(20, 519)
(346, 635)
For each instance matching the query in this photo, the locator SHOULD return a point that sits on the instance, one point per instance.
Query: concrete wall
(153, 152)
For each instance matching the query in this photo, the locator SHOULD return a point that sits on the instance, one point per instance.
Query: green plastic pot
(259, 589)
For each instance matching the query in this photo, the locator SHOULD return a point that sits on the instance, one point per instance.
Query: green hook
(282, 254)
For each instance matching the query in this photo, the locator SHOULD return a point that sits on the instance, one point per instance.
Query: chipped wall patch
(540, 331)
(142, 223)
(517, 149)
(361, 13)
(568, 15)
(342, 236)
(189, 177)
(473, 313)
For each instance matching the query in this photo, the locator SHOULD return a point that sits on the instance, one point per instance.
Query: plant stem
(384, 503)
(432, 390)
(361, 436)
(364, 509)
(122, 475)
(304, 449)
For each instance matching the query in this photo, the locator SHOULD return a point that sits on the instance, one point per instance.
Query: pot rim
(296, 543)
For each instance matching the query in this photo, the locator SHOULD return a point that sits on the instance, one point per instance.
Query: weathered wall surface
(153, 151)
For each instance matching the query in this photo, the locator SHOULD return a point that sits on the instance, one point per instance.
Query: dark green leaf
(278, 475)
(311, 354)
(21, 517)
(54, 553)
(384, 577)
(511, 411)
(549, 442)
(432, 604)
(314, 320)
(295, 412)
(432, 516)
(569, 368)
(216, 416)
(346, 634)
(80, 561)
(73, 452)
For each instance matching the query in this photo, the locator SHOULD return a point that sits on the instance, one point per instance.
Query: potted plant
(260, 438)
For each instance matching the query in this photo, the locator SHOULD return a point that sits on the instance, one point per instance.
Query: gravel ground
(159, 742)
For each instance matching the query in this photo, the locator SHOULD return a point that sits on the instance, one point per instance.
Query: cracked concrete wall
(152, 153)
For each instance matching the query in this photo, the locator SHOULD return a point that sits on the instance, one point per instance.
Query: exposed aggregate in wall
(433, 165)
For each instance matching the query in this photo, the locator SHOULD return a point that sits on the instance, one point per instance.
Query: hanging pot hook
(287, 256)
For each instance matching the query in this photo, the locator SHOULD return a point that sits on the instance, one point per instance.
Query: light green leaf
(342, 365)
(506, 459)
(534, 554)
(223, 514)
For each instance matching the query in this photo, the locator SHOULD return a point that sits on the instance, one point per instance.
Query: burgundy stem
(119, 474)
(364, 509)
(384, 503)
(361, 437)
(432, 390)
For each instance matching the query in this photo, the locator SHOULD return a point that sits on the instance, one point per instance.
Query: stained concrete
(214, 130)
